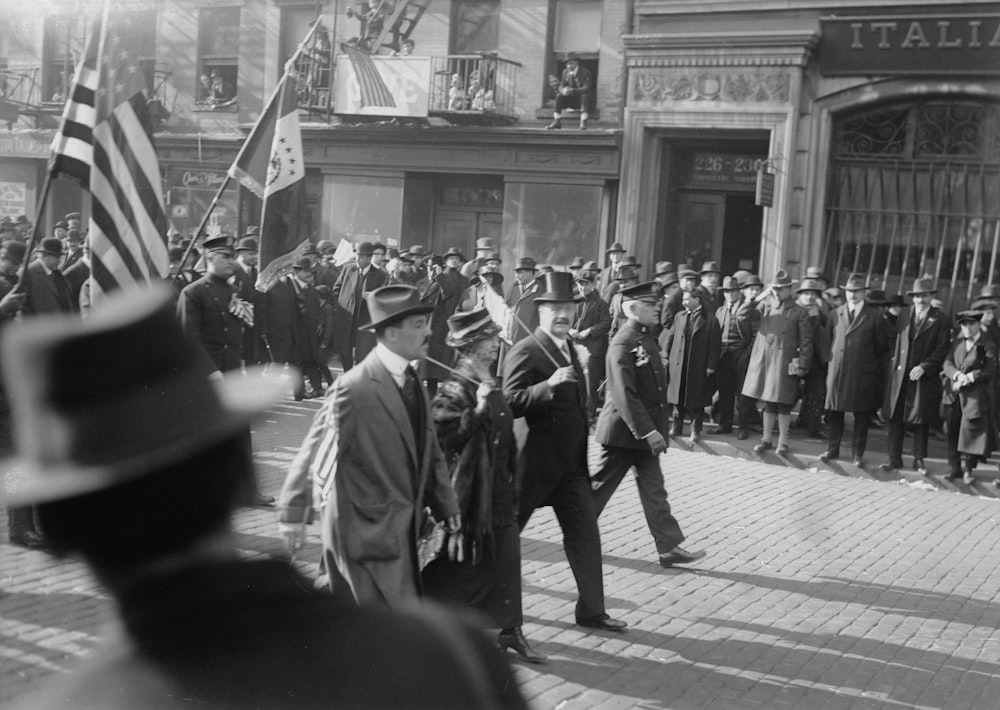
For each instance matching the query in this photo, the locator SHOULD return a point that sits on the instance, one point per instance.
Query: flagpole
(36, 232)
(536, 339)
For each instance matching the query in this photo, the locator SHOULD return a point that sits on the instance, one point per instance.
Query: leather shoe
(554, 126)
(920, 467)
(263, 501)
(601, 621)
(890, 466)
(953, 475)
(827, 456)
(859, 462)
(724, 430)
(781, 450)
(743, 435)
(680, 556)
(515, 641)
(29, 539)
(762, 447)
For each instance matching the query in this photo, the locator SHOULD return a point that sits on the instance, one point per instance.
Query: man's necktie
(850, 316)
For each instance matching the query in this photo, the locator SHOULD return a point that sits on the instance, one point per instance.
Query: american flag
(374, 92)
(105, 143)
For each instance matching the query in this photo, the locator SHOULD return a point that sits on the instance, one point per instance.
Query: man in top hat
(291, 324)
(371, 462)
(356, 280)
(616, 255)
(244, 279)
(521, 299)
(483, 247)
(45, 286)
(711, 278)
(590, 329)
(574, 91)
(913, 392)
(543, 382)
(854, 381)
(736, 332)
(632, 426)
(141, 486)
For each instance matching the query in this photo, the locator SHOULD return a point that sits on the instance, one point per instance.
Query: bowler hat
(51, 246)
(246, 244)
(876, 297)
(454, 252)
(782, 279)
(855, 282)
(525, 263)
(710, 267)
(392, 303)
(61, 224)
(466, 327)
(731, 283)
(626, 274)
(810, 285)
(617, 246)
(922, 286)
(557, 287)
(815, 272)
(484, 244)
(251, 231)
(664, 267)
(148, 402)
(646, 291)
(365, 249)
(576, 264)
(224, 244)
(966, 316)
(751, 280)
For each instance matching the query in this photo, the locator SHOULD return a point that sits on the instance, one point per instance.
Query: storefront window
(362, 209)
(190, 195)
(551, 223)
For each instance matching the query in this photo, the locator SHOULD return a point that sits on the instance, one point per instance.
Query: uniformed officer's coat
(635, 401)
(927, 346)
(203, 308)
(784, 333)
(854, 382)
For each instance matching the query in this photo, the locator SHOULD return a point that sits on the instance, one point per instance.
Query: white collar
(395, 364)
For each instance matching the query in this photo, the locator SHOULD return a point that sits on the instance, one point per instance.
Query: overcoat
(203, 309)
(359, 465)
(692, 358)
(593, 313)
(556, 417)
(293, 322)
(977, 434)
(46, 293)
(352, 307)
(433, 294)
(245, 281)
(635, 400)
(927, 346)
(523, 305)
(783, 333)
(855, 381)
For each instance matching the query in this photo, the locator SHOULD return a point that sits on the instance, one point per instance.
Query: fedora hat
(252, 231)
(247, 244)
(493, 278)
(751, 280)
(417, 251)
(324, 246)
(61, 224)
(453, 251)
(894, 300)
(484, 244)
(631, 262)
(525, 263)
(617, 246)
(626, 274)
(815, 272)
(686, 271)
(466, 327)
(576, 264)
(990, 291)
(148, 402)
(667, 279)
(493, 256)
(392, 303)
(710, 267)
(782, 279)
(584, 277)
(557, 287)
(876, 297)
(664, 267)
(855, 282)
(51, 246)
(224, 244)
(303, 264)
(731, 283)
(810, 285)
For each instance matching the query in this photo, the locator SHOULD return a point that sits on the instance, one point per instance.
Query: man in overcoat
(736, 339)
(593, 321)
(371, 462)
(45, 287)
(616, 262)
(913, 394)
(692, 347)
(353, 284)
(244, 278)
(544, 383)
(293, 325)
(854, 380)
(521, 298)
(810, 294)
(632, 426)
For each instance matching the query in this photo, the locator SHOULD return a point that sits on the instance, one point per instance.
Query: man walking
(543, 382)
(632, 426)
(371, 461)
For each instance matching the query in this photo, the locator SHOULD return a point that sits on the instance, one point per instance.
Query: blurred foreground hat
(466, 327)
(147, 401)
(392, 303)
(630, 262)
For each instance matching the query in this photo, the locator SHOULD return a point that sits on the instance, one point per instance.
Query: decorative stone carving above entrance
(661, 86)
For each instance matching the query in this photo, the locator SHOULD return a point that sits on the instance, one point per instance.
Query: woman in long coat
(782, 353)
(693, 346)
(475, 429)
(968, 373)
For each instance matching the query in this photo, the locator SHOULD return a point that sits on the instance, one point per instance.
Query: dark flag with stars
(105, 143)
(270, 165)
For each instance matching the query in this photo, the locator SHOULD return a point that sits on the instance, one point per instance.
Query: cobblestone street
(819, 591)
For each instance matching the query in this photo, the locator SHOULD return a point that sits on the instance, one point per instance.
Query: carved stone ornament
(710, 84)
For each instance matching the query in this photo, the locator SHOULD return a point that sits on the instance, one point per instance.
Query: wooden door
(702, 218)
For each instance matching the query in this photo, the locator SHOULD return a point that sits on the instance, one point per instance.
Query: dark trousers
(811, 413)
(858, 441)
(897, 430)
(595, 375)
(21, 521)
(577, 515)
(613, 463)
(580, 101)
(729, 378)
(697, 419)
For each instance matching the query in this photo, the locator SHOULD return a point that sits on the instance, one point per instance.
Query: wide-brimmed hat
(392, 303)
(710, 267)
(664, 267)
(667, 279)
(51, 246)
(751, 280)
(922, 286)
(966, 316)
(855, 282)
(617, 246)
(466, 327)
(557, 287)
(102, 401)
(646, 291)
(454, 251)
(246, 244)
(630, 262)
(876, 297)
(626, 274)
(485, 243)
(731, 283)
(810, 285)
(576, 264)
(525, 263)
(220, 244)
(782, 279)
(815, 272)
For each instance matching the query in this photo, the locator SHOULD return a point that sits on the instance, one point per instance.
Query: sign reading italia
(910, 44)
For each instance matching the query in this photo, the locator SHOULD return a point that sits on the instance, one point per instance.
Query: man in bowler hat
(371, 462)
(354, 283)
(45, 286)
(544, 383)
(141, 484)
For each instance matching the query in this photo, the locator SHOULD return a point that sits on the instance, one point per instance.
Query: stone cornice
(710, 7)
(718, 49)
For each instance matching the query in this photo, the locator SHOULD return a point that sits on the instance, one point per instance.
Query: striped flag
(105, 143)
(374, 92)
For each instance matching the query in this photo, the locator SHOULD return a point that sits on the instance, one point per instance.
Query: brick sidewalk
(820, 591)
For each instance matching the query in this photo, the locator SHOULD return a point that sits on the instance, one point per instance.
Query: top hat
(810, 285)
(876, 297)
(224, 244)
(557, 287)
(815, 272)
(751, 280)
(484, 244)
(855, 282)
(303, 264)
(626, 274)
(148, 402)
(731, 283)
(646, 291)
(466, 327)
(72, 215)
(664, 267)
(590, 266)
(61, 225)
(966, 316)
(782, 279)
(246, 244)
(525, 263)
(576, 264)
(631, 262)
(365, 249)
(392, 303)
(453, 251)
(51, 246)
(323, 246)
(251, 231)
(710, 267)
(617, 246)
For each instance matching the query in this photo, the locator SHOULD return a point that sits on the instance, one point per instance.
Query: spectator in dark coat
(244, 278)
(810, 292)
(736, 342)
(593, 322)
(293, 328)
(521, 298)
(45, 286)
(327, 312)
(354, 282)
(692, 348)
(432, 293)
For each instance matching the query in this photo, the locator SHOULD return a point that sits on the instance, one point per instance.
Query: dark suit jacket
(593, 313)
(360, 465)
(47, 293)
(556, 417)
(292, 322)
(635, 400)
(254, 634)
(203, 308)
(523, 305)
(855, 380)
(352, 308)
(926, 346)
